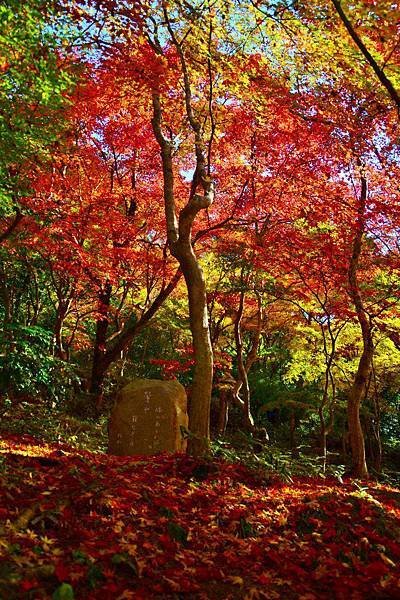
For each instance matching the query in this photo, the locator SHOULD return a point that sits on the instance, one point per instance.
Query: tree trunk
(62, 310)
(98, 371)
(376, 433)
(360, 384)
(356, 395)
(223, 411)
(242, 384)
(323, 436)
(179, 234)
(200, 397)
(12, 226)
(59, 348)
(7, 301)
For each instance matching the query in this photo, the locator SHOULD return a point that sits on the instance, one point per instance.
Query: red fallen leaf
(237, 513)
(111, 587)
(299, 571)
(264, 579)
(376, 569)
(329, 533)
(67, 512)
(28, 584)
(207, 573)
(168, 544)
(61, 572)
(277, 556)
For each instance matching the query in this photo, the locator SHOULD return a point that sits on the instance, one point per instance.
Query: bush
(28, 368)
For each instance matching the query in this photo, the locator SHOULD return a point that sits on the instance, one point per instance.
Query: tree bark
(6, 298)
(242, 384)
(62, 311)
(327, 402)
(223, 411)
(97, 378)
(200, 397)
(359, 387)
(179, 234)
(376, 428)
(356, 435)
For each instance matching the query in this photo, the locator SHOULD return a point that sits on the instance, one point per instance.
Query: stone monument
(147, 418)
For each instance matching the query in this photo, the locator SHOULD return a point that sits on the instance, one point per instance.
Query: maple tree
(204, 132)
(249, 151)
(260, 137)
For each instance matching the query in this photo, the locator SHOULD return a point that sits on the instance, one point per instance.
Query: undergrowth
(51, 424)
(277, 462)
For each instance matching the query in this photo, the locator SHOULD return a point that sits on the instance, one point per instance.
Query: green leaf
(95, 576)
(125, 559)
(79, 556)
(177, 533)
(165, 512)
(246, 529)
(64, 592)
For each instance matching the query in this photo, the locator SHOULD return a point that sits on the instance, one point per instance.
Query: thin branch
(387, 84)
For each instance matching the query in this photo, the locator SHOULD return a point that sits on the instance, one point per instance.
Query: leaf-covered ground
(91, 526)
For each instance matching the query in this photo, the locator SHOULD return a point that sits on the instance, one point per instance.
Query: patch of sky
(321, 319)
(187, 174)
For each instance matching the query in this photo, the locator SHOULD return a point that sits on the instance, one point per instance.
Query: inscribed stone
(147, 418)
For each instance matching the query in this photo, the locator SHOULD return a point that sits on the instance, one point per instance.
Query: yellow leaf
(255, 594)
(387, 560)
(282, 520)
(126, 595)
(47, 541)
(30, 534)
(236, 580)
(119, 526)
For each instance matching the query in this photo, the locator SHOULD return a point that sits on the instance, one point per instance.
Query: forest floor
(75, 524)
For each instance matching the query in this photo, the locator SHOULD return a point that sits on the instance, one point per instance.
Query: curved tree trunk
(11, 226)
(328, 401)
(360, 384)
(376, 428)
(200, 398)
(179, 224)
(102, 360)
(356, 395)
(179, 233)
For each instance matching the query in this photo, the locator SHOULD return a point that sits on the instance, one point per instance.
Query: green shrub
(28, 367)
